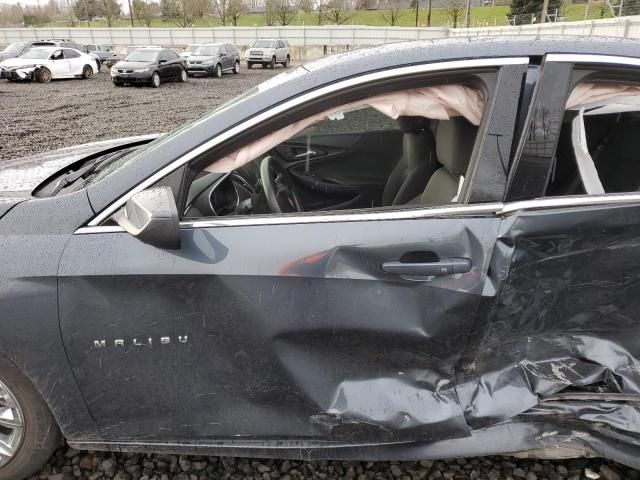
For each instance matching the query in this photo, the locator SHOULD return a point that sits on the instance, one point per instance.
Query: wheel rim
(11, 425)
(219, 71)
(156, 79)
(184, 76)
(46, 75)
(88, 72)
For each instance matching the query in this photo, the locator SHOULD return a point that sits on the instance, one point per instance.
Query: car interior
(603, 157)
(351, 158)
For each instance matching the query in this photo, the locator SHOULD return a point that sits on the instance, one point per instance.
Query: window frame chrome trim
(570, 202)
(302, 219)
(380, 75)
(488, 209)
(592, 58)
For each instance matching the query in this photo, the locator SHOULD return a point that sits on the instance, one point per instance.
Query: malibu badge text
(140, 341)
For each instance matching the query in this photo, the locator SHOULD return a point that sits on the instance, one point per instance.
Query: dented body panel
(288, 340)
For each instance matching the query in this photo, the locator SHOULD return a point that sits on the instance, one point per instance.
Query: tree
(455, 9)
(181, 12)
(86, 9)
(200, 7)
(229, 10)
(338, 12)
(52, 8)
(237, 8)
(11, 15)
(416, 4)
(221, 10)
(270, 12)
(390, 12)
(35, 15)
(109, 9)
(524, 10)
(145, 11)
(320, 11)
(306, 6)
(169, 9)
(286, 11)
(66, 8)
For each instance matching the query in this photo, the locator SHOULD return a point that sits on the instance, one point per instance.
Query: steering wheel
(278, 187)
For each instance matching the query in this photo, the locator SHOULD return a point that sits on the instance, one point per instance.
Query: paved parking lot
(39, 117)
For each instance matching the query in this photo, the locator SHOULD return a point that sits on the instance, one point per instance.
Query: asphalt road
(35, 118)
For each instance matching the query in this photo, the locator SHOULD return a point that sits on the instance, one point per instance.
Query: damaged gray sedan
(419, 250)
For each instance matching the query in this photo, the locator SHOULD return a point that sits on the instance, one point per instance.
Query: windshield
(142, 56)
(37, 54)
(192, 48)
(14, 48)
(264, 44)
(207, 51)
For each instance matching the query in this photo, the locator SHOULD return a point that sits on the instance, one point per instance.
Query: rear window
(599, 146)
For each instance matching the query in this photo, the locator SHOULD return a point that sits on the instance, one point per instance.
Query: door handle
(446, 266)
(309, 153)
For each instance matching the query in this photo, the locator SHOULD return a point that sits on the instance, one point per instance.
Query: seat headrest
(454, 144)
(413, 124)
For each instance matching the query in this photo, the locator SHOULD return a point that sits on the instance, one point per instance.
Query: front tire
(24, 409)
(272, 65)
(87, 72)
(236, 67)
(217, 72)
(43, 75)
(155, 80)
(287, 62)
(183, 75)
(249, 65)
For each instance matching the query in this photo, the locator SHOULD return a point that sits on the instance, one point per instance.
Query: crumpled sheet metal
(335, 352)
(565, 318)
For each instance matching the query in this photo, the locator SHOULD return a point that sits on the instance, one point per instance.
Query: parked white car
(44, 64)
(269, 52)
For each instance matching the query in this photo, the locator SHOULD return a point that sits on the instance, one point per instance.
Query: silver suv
(269, 52)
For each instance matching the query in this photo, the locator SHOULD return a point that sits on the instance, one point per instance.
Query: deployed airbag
(439, 103)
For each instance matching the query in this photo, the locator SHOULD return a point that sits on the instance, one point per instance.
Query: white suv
(269, 52)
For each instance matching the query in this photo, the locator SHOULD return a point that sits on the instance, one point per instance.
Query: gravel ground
(68, 464)
(40, 117)
(37, 118)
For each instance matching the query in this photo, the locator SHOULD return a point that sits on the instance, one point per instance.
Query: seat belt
(586, 167)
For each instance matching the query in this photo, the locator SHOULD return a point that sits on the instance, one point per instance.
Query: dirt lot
(37, 118)
(41, 117)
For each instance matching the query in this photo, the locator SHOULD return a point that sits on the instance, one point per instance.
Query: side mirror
(152, 216)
